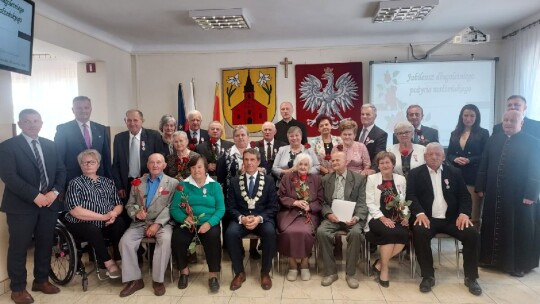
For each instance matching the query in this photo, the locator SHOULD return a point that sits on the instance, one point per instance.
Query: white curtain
(50, 91)
(521, 69)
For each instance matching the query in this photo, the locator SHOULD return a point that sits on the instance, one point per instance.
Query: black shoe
(254, 254)
(518, 273)
(384, 284)
(213, 284)
(183, 281)
(426, 284)
(474, 287)
(376, 272)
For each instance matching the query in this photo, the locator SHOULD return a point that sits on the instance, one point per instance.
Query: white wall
(158, 75)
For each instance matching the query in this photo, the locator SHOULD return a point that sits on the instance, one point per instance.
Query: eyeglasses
(90, 162)
(403, 133)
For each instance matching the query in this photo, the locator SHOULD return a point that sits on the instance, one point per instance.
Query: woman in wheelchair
(94, 208)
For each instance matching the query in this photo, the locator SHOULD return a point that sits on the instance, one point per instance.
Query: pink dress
(357, 157)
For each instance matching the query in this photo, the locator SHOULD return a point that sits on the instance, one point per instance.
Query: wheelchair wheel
(64, 256)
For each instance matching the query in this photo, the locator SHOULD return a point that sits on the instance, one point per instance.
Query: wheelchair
(66, 259)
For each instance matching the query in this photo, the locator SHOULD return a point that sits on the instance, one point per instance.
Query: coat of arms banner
(330, 89)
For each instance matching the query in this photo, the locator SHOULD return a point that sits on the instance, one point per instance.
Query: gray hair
(180, 134)
(414, 106)
(294, 129)
(193, 113)
(301, 157)
(238, 128)
(165, 119)
(369, 106)
(89, 152)
(403, 126)
(135, 111)
(434, 145)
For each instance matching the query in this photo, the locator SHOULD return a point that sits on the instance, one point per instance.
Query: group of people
(176, 186)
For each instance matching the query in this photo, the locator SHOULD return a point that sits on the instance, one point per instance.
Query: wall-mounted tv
(16, 35)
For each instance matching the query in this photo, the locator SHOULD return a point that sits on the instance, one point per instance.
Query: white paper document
(343, 209)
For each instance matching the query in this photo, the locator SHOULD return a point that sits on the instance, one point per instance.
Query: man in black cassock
(509, 180)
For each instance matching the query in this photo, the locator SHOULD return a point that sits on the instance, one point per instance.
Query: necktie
(134, 158)
(363, 135)
(42, 176)
(195, 136)
(415, 137)
(86, 135)
(268, 151)
(251, 185)
(340, 189)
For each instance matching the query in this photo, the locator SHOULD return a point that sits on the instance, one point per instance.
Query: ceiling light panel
(404, 10)
(220, 19)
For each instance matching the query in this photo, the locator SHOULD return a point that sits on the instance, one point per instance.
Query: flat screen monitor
(16, 35)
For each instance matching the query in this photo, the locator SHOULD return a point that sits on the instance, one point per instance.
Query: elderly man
(372, 136)
(33, 176)
(422, 135)
(213, 148)
(342, 184)
(80, 134)
(441, 203)
(518, 103)
(269, 145)
(286, 109)
(196, 135)
(509, 180)
(252, 204)
(148, 207)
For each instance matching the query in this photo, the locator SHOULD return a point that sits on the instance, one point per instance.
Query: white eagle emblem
(328, 101)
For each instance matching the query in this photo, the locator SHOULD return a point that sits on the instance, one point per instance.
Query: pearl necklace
(251, 201)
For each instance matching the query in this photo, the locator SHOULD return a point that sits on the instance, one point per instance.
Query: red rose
(295, 179)
(185, 159)
(388, 184)
(191, 147)
(213, 140)
(165, 192)
(252, 144)
(339, 147)
(303, 178)
(194, 140)
(180, 187)
(404, 152)
(327, 157)
(380, 187)
(136, 182)
(307, 145)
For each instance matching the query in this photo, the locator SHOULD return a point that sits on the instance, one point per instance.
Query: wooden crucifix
(286, 63)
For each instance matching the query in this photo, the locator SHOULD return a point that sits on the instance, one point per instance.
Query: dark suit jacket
(20, 173)
(268, 163)
(70, 142)
(430, 135)
(205, 148)
(120, 167)
(282, 127)
(473, 151)
(530, 126)
(355, 191)
(375, 142)
(267, 205)
(204, 135)
(420, 192)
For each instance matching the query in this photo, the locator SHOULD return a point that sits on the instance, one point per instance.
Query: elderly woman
(300, 197)
(465, 150)
(94, 208)
(322, 145)
(177, 163)
(409, 155)
(357, 154)
(198, 206)
(387, 228)
(284, 160)
(167, 126)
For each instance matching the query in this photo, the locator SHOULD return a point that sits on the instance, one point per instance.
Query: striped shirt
(98, 196)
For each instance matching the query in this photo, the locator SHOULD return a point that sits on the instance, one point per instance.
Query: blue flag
(181, 110)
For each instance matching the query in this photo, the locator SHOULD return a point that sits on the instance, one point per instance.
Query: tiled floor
(498, 288)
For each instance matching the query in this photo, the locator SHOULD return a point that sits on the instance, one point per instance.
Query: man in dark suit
(286, 109)
(441, 203)
(33, 176)
(80, 134)
(131, 151)
(422, 135)
(213, 148)
(269, 145)
(530, 126)
(346, 185)
(252, 205)
(372, 136)
(194, 121)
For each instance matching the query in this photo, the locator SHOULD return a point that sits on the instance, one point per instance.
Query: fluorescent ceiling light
(234, 18)
(404, 10)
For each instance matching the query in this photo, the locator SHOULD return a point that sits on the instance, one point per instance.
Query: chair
(439, 237)
(147, 241)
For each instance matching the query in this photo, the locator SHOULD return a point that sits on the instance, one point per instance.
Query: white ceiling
(142, 26)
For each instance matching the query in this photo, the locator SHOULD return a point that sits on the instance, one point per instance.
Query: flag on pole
(190, 105)
(218, 116)
(181, 110)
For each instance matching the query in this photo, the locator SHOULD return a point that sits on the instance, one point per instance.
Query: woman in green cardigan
(198, 206)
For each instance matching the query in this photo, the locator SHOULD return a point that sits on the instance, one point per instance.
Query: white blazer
(417, 157)
(373, 194)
